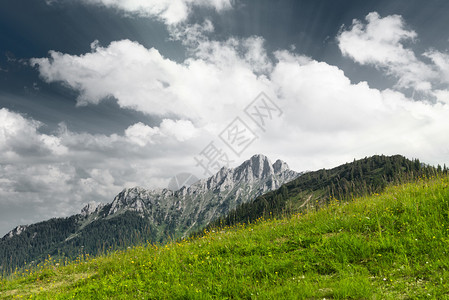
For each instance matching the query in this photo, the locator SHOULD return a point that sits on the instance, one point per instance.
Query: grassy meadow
(388, 246)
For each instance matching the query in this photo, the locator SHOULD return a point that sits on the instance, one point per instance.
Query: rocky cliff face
(192, 207)
(16, 231)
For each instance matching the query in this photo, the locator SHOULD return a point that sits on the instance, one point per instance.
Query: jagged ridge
(195, 206)
(137, 214)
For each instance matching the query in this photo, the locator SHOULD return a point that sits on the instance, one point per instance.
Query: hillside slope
(314, 189)
(388, 246)
(138, 215)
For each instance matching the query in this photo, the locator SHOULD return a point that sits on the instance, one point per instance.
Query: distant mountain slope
(313, 189)
(138, 215)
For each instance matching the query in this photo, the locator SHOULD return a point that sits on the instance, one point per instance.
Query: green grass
(389, 246)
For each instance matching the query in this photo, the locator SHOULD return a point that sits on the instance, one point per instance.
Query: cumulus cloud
(141, 134)
(441, 62)
(169, 11)
(19, 136)
(382, 42)
(322, 108)
(181, 130)
(209, 86)
(331, 117)
(99, 74)
(191, 35)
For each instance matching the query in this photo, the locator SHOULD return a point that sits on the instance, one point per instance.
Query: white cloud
(207, 87)
(320, 98)
(181, 130)
(441, 61)
(19, 135)
(442, 96)
(326, 118)
(381, 42)
(323, 110)
(256, 55)
(191, 35)
(98, 75)
(142, 135)
(169, 11)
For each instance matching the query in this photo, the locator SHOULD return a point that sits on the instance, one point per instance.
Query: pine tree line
(63, 238)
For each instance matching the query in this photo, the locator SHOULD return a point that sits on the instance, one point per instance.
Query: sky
(99, 95)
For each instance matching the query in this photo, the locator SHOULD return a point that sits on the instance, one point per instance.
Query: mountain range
(139, 215)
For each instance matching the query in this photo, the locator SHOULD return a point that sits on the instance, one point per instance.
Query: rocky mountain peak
(261, 166)
(256, 168)
(91, 208)
(130, 198)
(204, 200)
(17, 231)
(280, 166)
